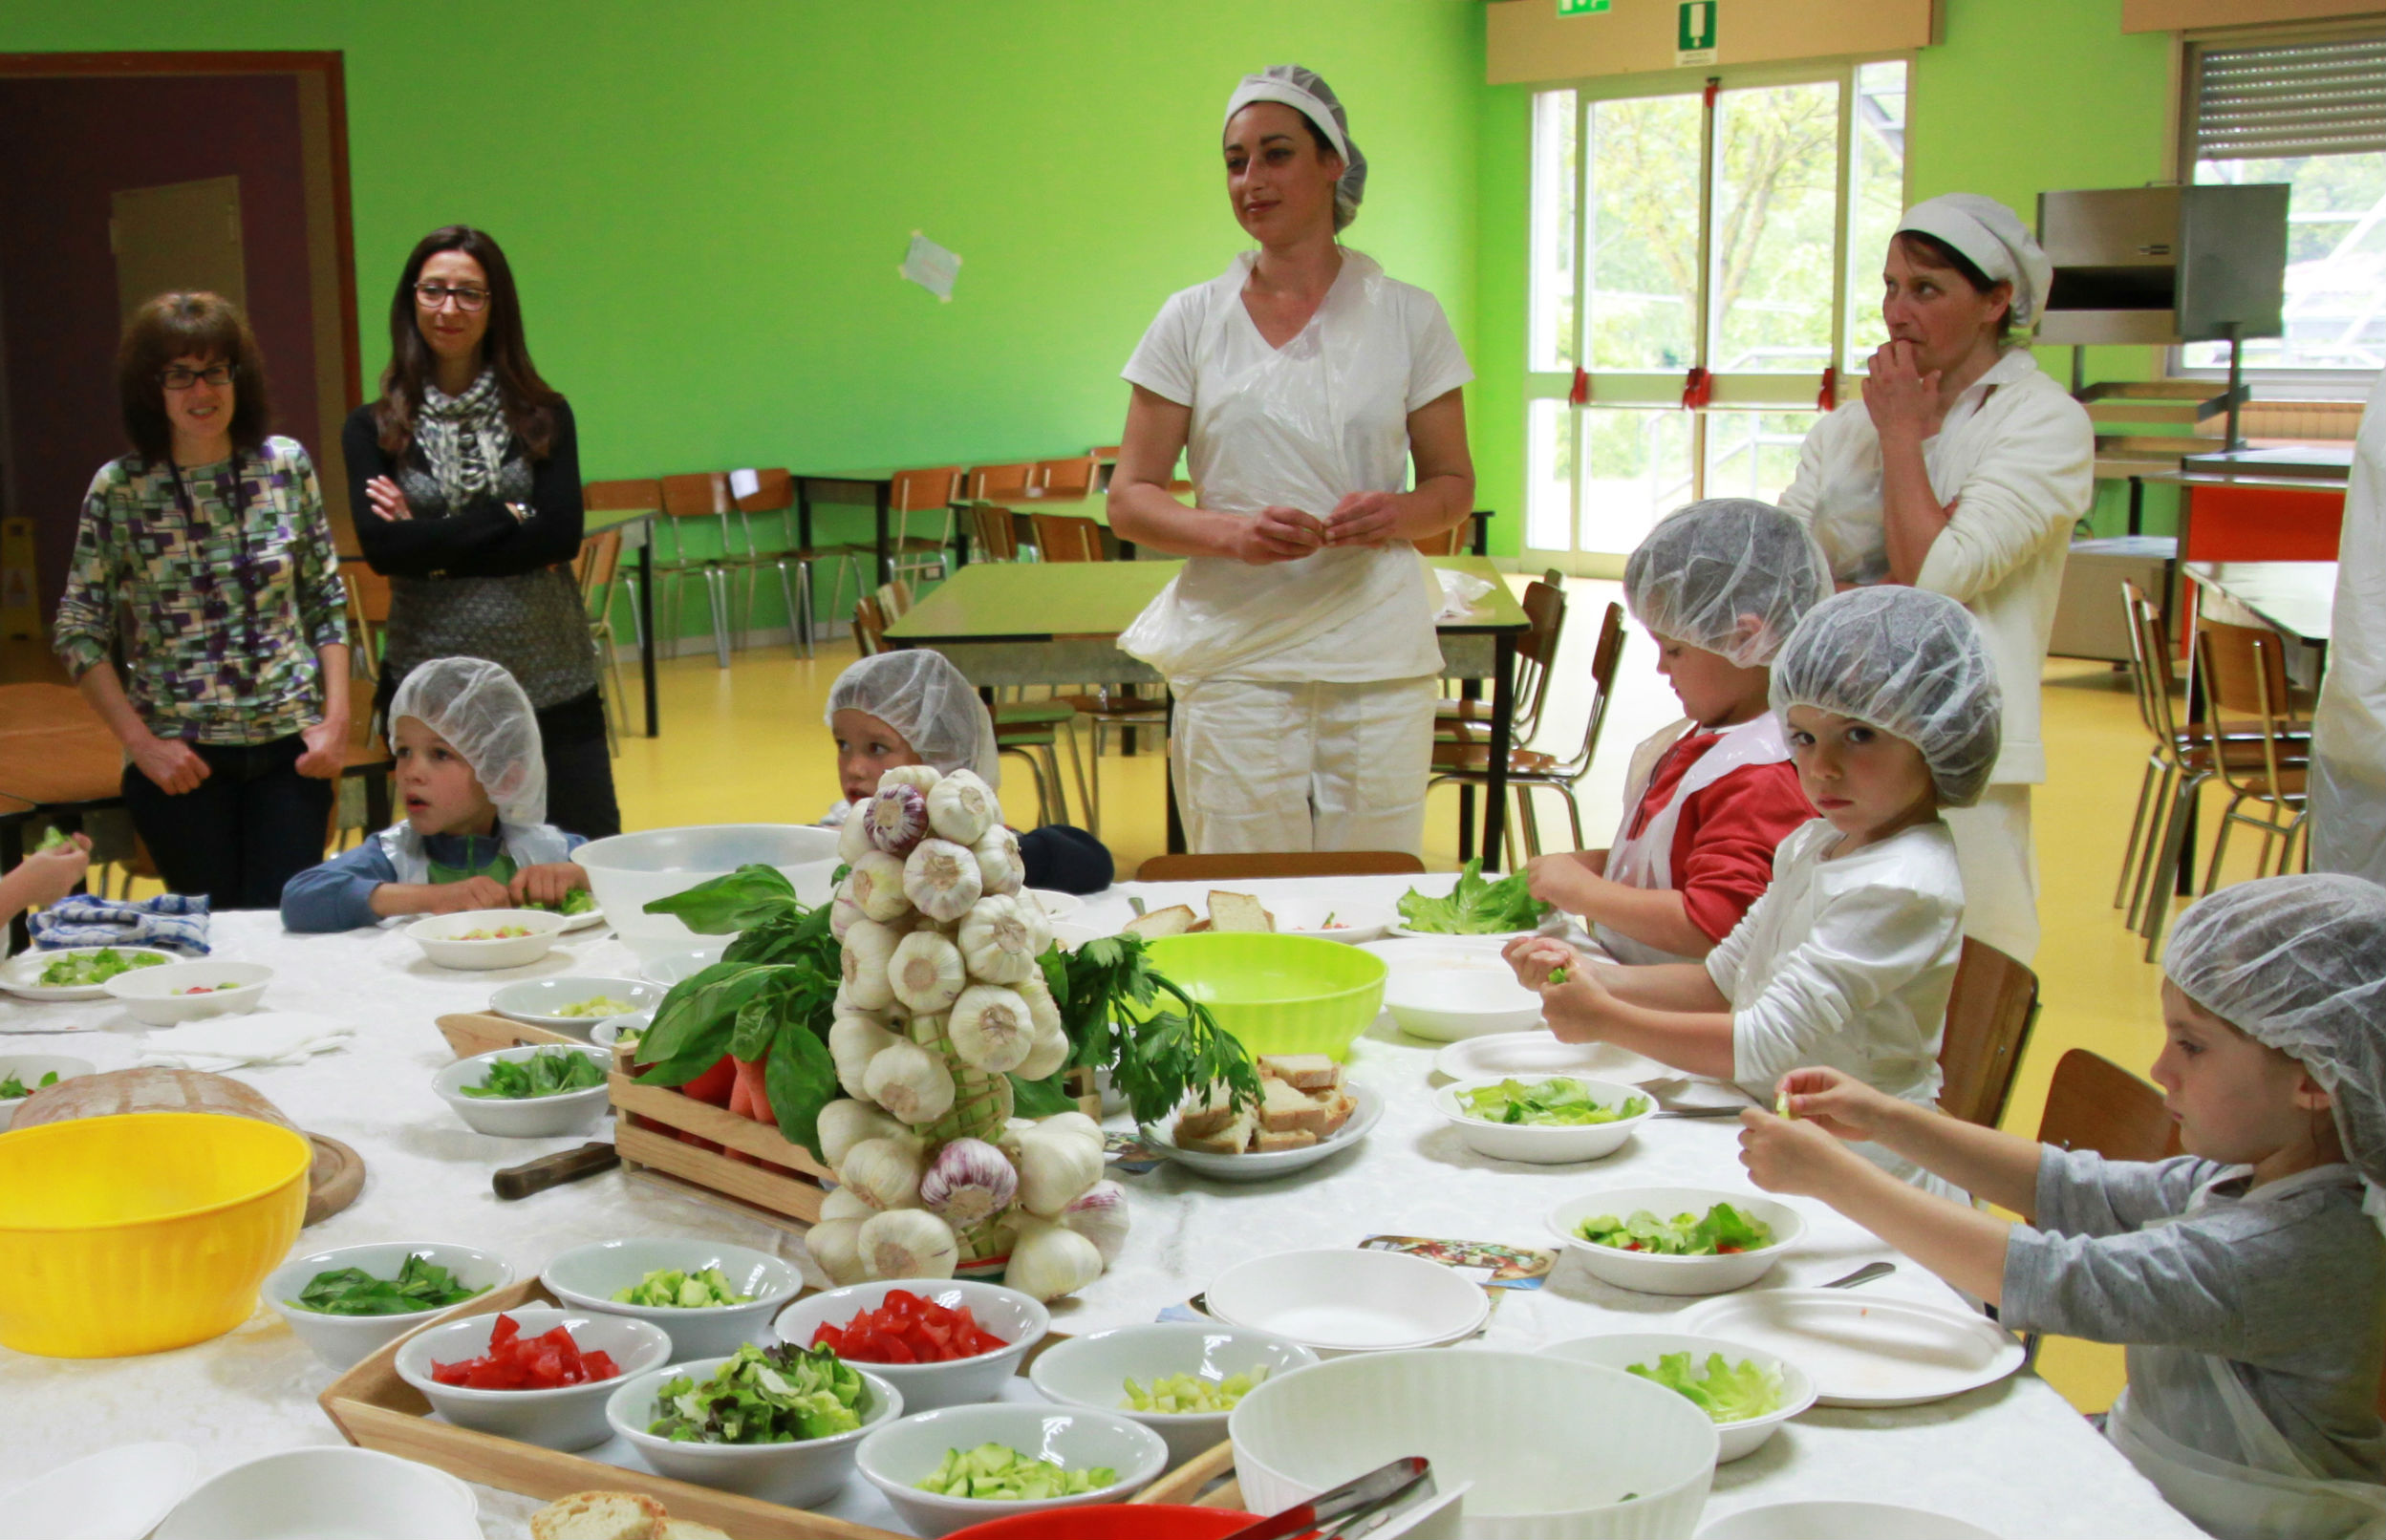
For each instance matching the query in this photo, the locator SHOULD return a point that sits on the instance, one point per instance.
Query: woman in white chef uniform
(1299, 641)
(1962, 470)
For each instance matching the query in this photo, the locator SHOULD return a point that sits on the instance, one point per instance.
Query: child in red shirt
(1718, 585)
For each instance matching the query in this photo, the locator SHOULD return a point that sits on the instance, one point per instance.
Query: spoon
(1863, 1276)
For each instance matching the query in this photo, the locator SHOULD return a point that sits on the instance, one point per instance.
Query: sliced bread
(1339, 1107)
(1283, 1110)
(1239, 912)
(1214, 1111)
(1174, 920)
(600, 1516)
(1302, 1072)
(683, 1529)
(1290, 1139)
(1233, 1138)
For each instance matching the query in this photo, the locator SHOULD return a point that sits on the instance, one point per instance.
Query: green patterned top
(228, 593)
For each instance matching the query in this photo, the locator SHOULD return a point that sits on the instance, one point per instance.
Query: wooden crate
(485, 1031)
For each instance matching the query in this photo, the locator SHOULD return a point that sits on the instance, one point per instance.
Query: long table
(2013, 1456)
(1050, 623)
(2297, 599)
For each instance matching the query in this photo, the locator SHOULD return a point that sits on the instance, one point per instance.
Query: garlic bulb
(1042, 1008)
(962, 807)
(1056, 1166)
(968, 1181)
(842, 911)
(898, 818)
(846, 1123)
(1101, 1217)
(843, 1203)
(835, 1244)
(868, 950)
(1000, 866)
(940, 879)
(1074, 1124)
(876, 884)
(998, 940)
(922, 776)
(853, 1042)
(853, 834)
(910, 1081)
(1038, 923)
(909, 1243)
(990, 1028)
(1044, 1057)
(1047, 1261)
(883, 1173)
(924, 971)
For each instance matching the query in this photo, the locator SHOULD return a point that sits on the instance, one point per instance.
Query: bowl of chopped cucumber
(1543, 1120)
(348, 1302)
(542, 1092)
(954, 1466)
(575, 1003)
(21, 1075)
(1677, 1240)
(186, 991)
(712, 1298)
(1178, 1379)
(1746, 1392)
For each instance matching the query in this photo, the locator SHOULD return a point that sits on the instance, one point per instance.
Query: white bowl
(544, 1117)
(567, 1418)
(795, 1475)
(1009, 1314)
(1552, 1448)
(21, 975)
(1092, 1372)
(540, 1001)
(1354, 923)
(1544, 1144)
(307, 1495)
(1538, 1052)
(1057, 905)
(628, 871)
(150, 994)
(1350, 1300)
(1268, 1165)
(1839, 1520)
(1650, 1274)
(589, 1275)
(343, 1341)
(440, 936)
(607, 1034)
(117, 1494)
(1068, 935)
(900, 1455)
(1621, 1350)
(1444, 991)
(674, 964)
(29, 1068)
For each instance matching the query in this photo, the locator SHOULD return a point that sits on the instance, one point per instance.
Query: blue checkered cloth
(173, 922)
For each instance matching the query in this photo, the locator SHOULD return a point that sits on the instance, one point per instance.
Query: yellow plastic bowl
(1278, 994)
(141, 1232)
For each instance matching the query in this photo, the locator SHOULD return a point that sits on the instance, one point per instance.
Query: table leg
(646, 633)
(2136, 505)
(12, 852)
(1466, 823)
(886, 557)
(377, 802)
(1495, 795)
(1483, 535)
(1175, 819)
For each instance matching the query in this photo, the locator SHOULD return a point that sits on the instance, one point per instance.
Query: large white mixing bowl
(628, 871)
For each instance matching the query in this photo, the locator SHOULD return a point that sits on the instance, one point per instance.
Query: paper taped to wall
(931, 267)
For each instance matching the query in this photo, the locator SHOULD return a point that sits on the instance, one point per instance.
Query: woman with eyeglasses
(465, 482)
(229, 687)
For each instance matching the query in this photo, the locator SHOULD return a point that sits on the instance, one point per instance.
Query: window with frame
(1705, 261)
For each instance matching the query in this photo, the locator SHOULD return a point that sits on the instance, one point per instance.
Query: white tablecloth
(2013, 1455)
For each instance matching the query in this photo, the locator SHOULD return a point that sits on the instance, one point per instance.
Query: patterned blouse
(228, 593)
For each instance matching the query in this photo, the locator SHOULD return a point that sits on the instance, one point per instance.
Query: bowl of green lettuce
(1677, 1240)
(1747, 1392)
(1543, 1120)
(1490, 908)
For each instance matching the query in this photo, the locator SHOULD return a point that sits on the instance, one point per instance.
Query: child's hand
(471, 893)
(46, 876)
(548, 884)
(1796, 1156)
(1565, 879)
(1534, 958)
(1835, 1101)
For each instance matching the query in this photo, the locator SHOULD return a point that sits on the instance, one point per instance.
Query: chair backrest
(1988, 1017)
(2245, 672)
(1606, 659)
(2094, 1104)
(1064, 537)
(698, 495)
(1065, 478)
(894, 599)
(2160, 700)
(1000, 481)
(995, 532)
(869, 625)
(915, 491)
(1537, 651)
(2140, 674)
(612, 497)
(368, 592)
(1456, 541)
(1231, 866)
(774, 492)
(595, 567)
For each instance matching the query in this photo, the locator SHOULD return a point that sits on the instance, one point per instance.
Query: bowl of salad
(1746, 1392)
(476, 939)
(21, 1075)
(944, 1469)
(542, 1092)
(1178, 1379)
(1677, 1240)
(713, 1298)
(777, 1423)
(575, 1003)
(1543, 1120)
(348, 1302)
(534, 1374)
(1493, 909)
(74, 972)
(186, 991)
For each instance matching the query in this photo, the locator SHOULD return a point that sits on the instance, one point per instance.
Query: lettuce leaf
(1724, 1392)
(1474, 907)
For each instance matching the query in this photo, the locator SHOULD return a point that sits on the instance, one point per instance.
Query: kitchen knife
(554, 1170)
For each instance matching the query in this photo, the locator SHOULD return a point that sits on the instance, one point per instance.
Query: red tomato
(513, 1361)
(713, 1085)
(908, 1329)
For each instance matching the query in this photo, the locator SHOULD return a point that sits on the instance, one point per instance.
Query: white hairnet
(2299, 963)
(1910, 662)
(1708, 566)
(483, 714)
(1306, 94)
(920, 695)
(1995, 240)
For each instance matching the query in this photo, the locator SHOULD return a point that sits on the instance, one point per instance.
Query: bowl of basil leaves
(346, 1303)
(542, 1092)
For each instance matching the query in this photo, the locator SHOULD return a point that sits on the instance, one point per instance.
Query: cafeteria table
(2012, 1456)
(2296, 599)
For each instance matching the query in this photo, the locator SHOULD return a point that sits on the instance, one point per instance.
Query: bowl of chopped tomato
(941, 1342)
(537, 1375)
(480, 939)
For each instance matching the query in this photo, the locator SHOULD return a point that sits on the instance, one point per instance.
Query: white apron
(1645, 861)
(2349, 728)
(539, 845)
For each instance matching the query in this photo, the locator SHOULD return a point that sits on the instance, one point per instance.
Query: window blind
(2319, 97)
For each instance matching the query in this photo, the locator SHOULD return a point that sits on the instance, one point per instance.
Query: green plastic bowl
(1278, 994)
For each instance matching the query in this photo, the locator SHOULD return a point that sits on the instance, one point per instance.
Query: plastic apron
(2349, 728)
(1645, 861)
(2271, 1493)
(409, 856)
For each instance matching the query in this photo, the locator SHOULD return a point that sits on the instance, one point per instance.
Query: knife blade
(554, 1170)
(1377, 1485)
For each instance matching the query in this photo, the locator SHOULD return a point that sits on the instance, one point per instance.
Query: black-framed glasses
(435, 296)
(175, 378)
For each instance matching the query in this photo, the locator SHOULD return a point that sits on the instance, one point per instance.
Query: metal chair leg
(2150, 851)
(2166, 869)
(2220, 848)
(1076, 766)
(2137, 822)
(1529, 818)
(717, 597)
(1574, 812)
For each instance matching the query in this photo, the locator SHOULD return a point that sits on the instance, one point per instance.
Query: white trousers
(2000, 869)
(1264, 765)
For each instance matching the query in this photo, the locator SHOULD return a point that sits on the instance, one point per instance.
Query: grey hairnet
(1303, 91)
(483, 714)
(920, 695)
(1708, 566)
(1910, 662)
(2299, 963)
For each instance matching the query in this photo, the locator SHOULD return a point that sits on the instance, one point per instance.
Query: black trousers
(579, 766)
(250, 827)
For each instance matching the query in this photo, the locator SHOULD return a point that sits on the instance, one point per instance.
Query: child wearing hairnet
(1892, 710)
(2246, 1276)
(1719, 585)
(474, 835)
(912, 706)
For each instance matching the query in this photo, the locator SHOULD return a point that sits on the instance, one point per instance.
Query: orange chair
(929, 496)
(1064, 478)
(774, 494)
(694, 498)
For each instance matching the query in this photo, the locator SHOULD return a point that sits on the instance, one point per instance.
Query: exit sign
(1582, 7)
(1694, 36)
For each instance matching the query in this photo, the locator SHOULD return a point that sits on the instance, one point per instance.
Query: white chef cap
(1308, 94)
(1708, 566)
(1910, 662)
(2299, 963)
(483, 714)
(1995, 240)
(920, 695)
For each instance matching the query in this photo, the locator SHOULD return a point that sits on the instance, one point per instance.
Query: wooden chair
(598, 567)
(1233, 865)
(1000, 481)
(368, 597)
(1458, 540)
(1468, 763)
(774, 494)
(993, 533)
(2094, 1104)
(927, 495)
(2243, 672)
(693, 499)
(1064, 478)
(1065, 537)
(635, 496)
(1990, 1013)
(894, 600)
(1537, 651)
